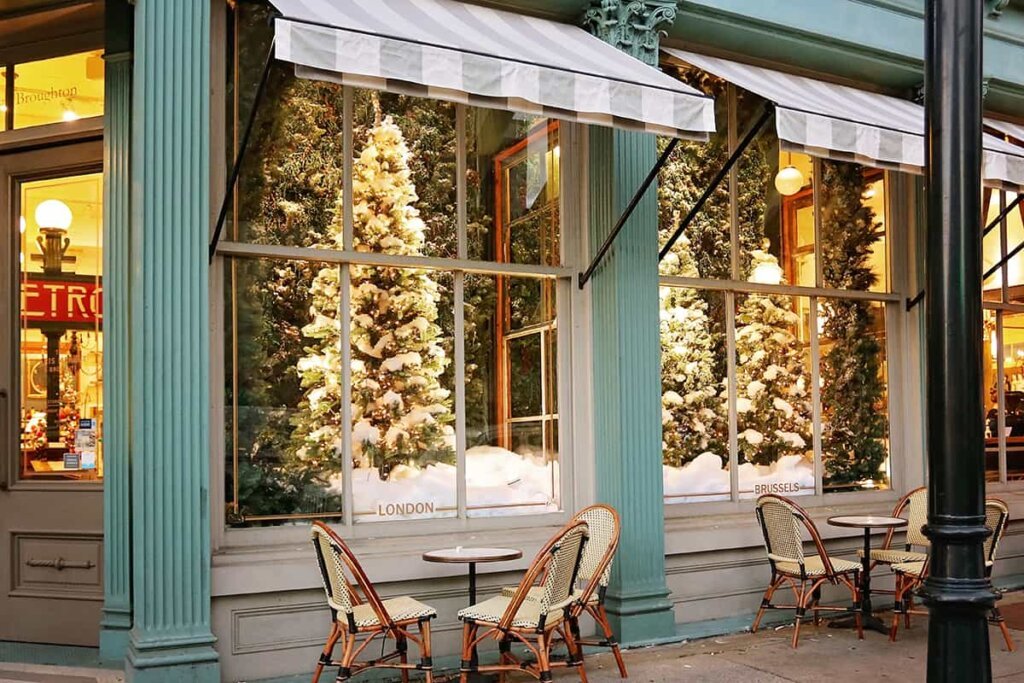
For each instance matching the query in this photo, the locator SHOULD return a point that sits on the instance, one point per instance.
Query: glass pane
(694, 411)
(403, 415)
(60, 89)
(993, 421)
(60, 327)
(773, 394)
(992, 249)
(766, 222)
(404, 151)
(282, 396)
(854, 395)
(1013, 417)
(1014, 238)
(511, 396)
(513, 180)
(704, 248)
(852, 226)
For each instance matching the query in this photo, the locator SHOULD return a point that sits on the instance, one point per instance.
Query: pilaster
(117, 599)
(171, 638)
(626, 351)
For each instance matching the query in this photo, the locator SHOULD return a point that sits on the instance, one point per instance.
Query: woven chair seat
(813, 566)
(528, 616)
(538, 591)
(909, 568)
(400, 609)
(894, 555)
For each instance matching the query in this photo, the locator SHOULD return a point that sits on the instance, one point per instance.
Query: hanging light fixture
(766, 270)
(789, 179)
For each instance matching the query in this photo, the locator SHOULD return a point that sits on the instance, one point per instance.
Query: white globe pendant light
(789, 180)
(53, 214)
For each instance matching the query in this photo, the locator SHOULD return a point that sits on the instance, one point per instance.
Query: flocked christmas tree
(400, 411)
(852, 394)
(773, 391)
(692, 416)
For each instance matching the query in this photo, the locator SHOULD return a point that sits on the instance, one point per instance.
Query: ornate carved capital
(633, 26)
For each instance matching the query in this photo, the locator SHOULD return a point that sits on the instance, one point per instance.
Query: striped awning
(844, 123)
(1014, 130)
(449, 50)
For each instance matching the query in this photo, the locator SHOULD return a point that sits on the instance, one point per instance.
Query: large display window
(775, 307)
(394, 290)
(56, 90)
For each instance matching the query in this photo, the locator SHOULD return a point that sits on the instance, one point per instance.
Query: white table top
(466, 555)
(867, 521)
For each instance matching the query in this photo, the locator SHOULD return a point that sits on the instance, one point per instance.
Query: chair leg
(601, 616)
(426, 658)
(325, 656)
(543, 657)
(575, 649)
(766, 600)
(348, 654)
(800, 605)
(467, 651)
(906, 612)
(901, 606)
(997, 617)
(815, 601)
(403, 655)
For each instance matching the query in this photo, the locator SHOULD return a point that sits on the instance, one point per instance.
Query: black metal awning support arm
(1003, 214)
(236, 168)
(999, 264)
(637, 196)
(766, 113)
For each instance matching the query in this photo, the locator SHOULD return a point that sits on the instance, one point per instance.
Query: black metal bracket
(766, 113)
(911, 302)
(637, 196)
(1003, 214)
(236, 168)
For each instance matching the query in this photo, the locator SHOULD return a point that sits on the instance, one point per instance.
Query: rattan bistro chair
(915, 506)
(594, 575)
(354, 616)
(910, 575)
(780, 520)
(533, 623)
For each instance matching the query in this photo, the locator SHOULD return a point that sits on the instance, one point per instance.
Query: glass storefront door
(51, 538)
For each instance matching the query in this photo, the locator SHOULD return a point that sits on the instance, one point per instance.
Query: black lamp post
(957, 592)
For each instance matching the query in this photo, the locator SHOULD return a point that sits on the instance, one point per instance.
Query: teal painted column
(170, 638)
(626, 350)
(117, 600)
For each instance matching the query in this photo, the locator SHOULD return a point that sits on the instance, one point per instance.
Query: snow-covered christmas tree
(400, 411)
(692, 418)
(773, 391)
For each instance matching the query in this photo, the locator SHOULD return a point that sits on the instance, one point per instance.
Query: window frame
(899, 221)
(567, 305)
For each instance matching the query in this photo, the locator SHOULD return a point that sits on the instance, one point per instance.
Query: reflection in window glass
(773, 393)
(694, 409)
(854, 394)
(1012, 418)
(60, 327)
(278, 463)
(57, 90)
(852, 223)
(512, 180)
(994, 423)
(511, 395)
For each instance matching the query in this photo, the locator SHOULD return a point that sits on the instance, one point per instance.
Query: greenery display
(852, 395)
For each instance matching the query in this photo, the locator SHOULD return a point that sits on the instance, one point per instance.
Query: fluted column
(171, 637)
(626, 351)
(117, 599)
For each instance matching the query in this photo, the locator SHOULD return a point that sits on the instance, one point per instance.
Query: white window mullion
(346, 186)
(1000, 395)
(730, 364)
(459, 314)
(345, 323)
(460, 179)
(819, 467)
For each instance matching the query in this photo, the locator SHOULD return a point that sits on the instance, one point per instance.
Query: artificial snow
(705, 478)
(507, 483)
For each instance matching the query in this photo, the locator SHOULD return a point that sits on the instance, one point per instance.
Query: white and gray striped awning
(1014, 130)
(449, 50)
(840, 122)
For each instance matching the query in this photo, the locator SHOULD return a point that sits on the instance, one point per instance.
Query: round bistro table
(472, 557)
(867, 523)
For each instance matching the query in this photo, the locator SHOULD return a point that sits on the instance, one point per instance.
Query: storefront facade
(384, 326)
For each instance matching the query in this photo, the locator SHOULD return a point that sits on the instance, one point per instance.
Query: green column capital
(633, 26)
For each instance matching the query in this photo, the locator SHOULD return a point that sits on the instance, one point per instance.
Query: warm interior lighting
(69, 115)
(789, 179)
(767, 273)
(53, 214)
(870, 192)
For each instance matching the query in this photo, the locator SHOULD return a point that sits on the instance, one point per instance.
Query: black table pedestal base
(869, 621)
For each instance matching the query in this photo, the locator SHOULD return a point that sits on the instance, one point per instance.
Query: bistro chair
(780, 519)
(915, 506)
(533, 623)
(354, 615)
(910, 575)
(595, 572)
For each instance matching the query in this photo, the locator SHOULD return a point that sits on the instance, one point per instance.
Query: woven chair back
(564, 565)
(917, 516)
(997, 514)
(603, 527)
(780, 523)
(337, 563)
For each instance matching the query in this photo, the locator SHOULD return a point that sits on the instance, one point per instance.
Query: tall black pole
(957, 592)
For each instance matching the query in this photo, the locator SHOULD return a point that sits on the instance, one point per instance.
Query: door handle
(60, 564)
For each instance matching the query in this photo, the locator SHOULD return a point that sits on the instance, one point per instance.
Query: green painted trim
(171, 638)
(117, 599)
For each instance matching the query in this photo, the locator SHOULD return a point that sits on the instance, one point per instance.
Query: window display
(377, 388)
(61, 327)
(61, 89)
(758, 362)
